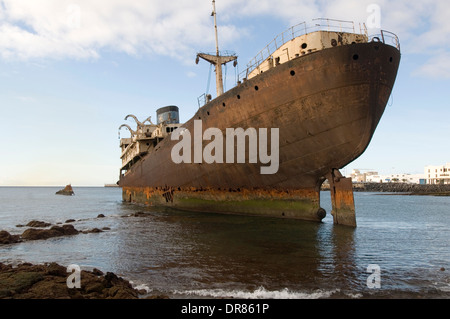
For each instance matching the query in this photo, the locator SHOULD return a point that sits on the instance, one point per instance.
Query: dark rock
(110, 279)
(27, 281)
(93, 230)
(55, 231)
(56, 270)
(7, 238)
(106, 228)
(97, 272)
(35, 234)
(100, 216)
(66, 191)
(139, 214)
(68, 229)
(70, 221)
(37, 223)
(13, 282)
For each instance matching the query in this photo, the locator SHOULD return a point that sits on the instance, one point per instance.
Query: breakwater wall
(398, 188)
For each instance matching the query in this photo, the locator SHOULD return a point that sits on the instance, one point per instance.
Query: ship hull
(326, 104)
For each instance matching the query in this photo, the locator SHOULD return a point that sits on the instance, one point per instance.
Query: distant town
(432, 175)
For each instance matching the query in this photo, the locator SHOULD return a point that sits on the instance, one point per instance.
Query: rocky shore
(404, 188)
(41, 230)
(49, 281)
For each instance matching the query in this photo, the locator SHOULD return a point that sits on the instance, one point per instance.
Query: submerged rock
(93, 230)
(6, 238)
(66, 191)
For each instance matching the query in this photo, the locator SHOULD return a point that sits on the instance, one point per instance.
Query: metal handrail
(386, 37)
(320, 24)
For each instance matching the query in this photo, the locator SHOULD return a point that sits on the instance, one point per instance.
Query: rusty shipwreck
(325, 87)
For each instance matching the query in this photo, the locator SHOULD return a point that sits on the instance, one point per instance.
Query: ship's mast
(217, 60)
(215, 26)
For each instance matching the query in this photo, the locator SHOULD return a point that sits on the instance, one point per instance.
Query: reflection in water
(190, 251)
(343, 255)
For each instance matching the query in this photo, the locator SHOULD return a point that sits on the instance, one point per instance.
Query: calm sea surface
(405, 239)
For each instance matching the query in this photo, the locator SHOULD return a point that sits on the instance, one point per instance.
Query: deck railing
(386, 37)
(320, 24)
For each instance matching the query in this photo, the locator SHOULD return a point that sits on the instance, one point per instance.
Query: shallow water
(200, 255)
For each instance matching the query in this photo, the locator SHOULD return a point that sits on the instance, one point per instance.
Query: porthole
(292, 72)
(256, 88)
(333, 42)
(355, 57)
(304, 46)
(238, 97)
(207, 112)
(223, 104)
(391, 59)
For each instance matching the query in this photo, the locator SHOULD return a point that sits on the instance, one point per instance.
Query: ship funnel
(168, 115)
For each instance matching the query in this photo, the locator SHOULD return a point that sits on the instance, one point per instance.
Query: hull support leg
(342, 201)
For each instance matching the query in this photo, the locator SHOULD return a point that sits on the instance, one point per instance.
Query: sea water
(400, 248)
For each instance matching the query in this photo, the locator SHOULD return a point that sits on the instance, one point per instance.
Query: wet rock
(54, 269)
(66, 191)
(139, 214)
(14, 282)
(55, 231)
(93, 230)
(69, 221)
(38, 224)
(6, 238)
(97, 272)
(100, 216)
(27, 281)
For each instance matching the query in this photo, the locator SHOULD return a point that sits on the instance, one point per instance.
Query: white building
(358, 177)
(438, 174)
(396, 178)
(374, 177)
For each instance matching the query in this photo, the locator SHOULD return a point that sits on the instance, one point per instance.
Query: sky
(70, 71)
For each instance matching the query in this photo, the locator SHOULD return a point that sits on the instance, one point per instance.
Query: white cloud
(437, 66)
(26, 99)
(83, 28)
(80, 29)
(422, 27)
(191, 74)
(59, 29)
